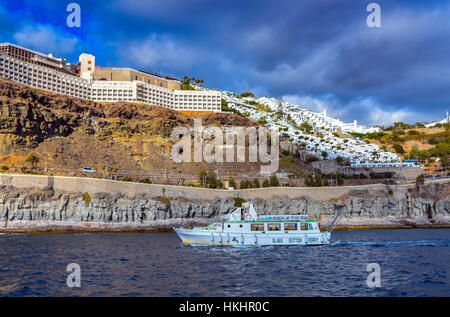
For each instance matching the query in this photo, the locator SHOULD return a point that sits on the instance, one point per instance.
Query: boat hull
(205, 237)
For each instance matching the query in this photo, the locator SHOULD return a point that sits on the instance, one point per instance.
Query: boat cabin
(245, 219)
(245, 213)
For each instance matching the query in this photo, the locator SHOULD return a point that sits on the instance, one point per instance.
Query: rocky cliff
(23, 209)
(77, 133)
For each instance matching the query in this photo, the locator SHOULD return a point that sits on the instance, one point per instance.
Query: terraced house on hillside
(87, 81)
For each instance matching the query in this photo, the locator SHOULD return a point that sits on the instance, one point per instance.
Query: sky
(319, 54)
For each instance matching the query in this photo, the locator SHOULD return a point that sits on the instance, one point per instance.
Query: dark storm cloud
(308, 50)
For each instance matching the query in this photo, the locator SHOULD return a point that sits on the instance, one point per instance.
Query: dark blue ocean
(412, 263)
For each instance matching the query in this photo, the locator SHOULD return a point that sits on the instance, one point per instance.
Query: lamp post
(46, 155)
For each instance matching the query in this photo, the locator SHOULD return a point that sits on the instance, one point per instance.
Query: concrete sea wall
(34, 203)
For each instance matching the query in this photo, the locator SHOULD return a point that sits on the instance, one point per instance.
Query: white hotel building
(52, 74)
(144, 93)
(40, 71)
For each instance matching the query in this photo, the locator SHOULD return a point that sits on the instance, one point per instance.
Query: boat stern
(326, 236)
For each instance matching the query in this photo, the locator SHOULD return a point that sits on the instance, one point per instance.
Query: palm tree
(33, 159)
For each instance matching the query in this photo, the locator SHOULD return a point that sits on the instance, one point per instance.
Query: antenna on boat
(333, 224)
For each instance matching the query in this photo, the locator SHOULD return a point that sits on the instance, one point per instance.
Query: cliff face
(41, 209)
(28, 117)
(77, 133)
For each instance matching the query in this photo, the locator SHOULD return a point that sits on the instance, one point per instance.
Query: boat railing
(333, 224)
(281, 218)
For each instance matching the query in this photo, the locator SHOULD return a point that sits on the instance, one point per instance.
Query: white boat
(243, 227)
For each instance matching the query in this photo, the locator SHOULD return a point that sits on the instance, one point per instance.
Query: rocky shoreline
(45, 210)
(73, 229)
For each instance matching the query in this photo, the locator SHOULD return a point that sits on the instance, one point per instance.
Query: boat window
(257, 227)
(273, 226)
(290, 226)
(304, 226)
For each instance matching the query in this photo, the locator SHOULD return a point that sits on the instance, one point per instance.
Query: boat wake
(233, 246)
(393, 243)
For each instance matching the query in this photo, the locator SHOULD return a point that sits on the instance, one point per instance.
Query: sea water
(412, 262)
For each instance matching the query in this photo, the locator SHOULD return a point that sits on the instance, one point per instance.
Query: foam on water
(354, 243)
(234, 246)
(393, 243)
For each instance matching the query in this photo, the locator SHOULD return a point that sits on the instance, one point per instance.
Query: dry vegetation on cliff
(77, 133)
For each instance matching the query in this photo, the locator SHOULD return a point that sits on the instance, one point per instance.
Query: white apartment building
(42, 77)
(113, 91)
(140, 92)
(87, 65)
(193, 100)
(55, 75)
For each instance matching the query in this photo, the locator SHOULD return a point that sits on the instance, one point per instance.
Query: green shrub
(166, 201)
(433, 140)
(193, 185)
(285, 152)
(238, 202)
(209, 179)
(232, 183)
(5, 168)
(398, 148)
(420, 179)
(86, 197)
(306, 127)
(266, 183)
(247, 94)
(309, 180)
(245, 184)
(315, 181)
(274, 180)
(145, 181)
(33, 159)
(339, 178)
